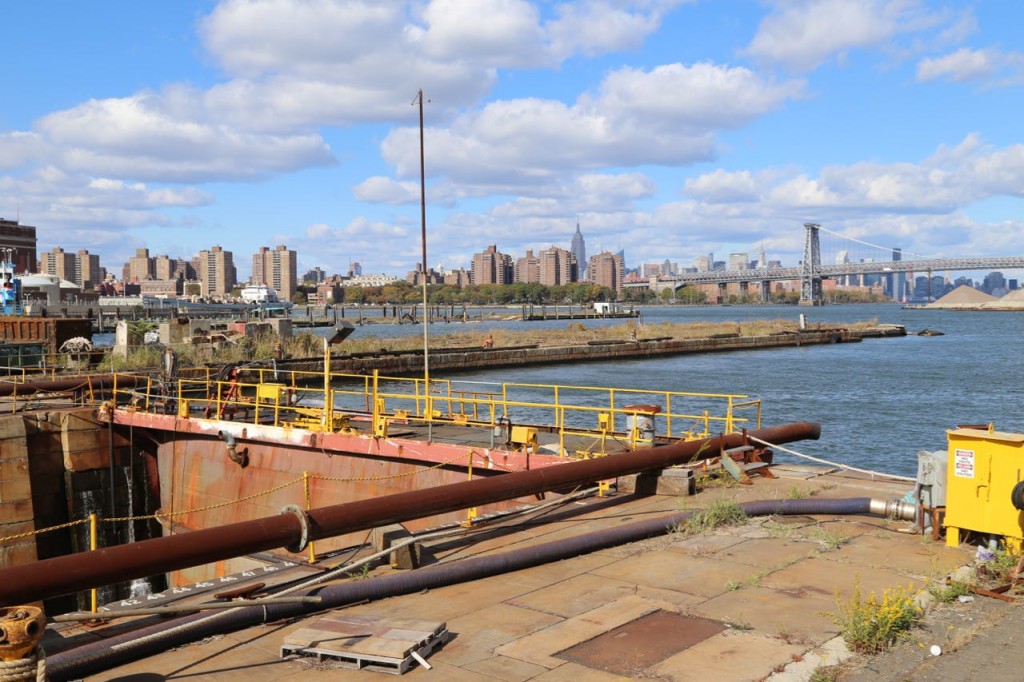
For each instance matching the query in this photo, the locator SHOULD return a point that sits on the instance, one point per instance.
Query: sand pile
(1013, 301)
(963, 297)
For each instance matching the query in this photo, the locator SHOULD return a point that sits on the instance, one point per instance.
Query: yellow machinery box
(984, 467)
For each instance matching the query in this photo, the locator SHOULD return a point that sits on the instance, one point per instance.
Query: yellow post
(327, 385)
(471, 512)
(92, 546)
(309, 501)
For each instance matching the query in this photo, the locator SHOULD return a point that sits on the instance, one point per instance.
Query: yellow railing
(310, 400)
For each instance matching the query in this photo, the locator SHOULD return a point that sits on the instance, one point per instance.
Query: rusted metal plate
(53, 331)
(634, 647)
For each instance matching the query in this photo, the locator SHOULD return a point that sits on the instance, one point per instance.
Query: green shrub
(872, 625)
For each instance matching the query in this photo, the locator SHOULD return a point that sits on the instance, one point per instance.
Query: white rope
(834, 464)
(32, 667)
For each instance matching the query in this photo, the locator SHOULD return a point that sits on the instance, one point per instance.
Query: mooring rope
(31, 667)
(834, 464)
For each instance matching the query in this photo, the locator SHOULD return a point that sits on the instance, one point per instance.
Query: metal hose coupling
(897, 509)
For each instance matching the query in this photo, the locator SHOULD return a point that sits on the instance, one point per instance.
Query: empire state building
(579, 251)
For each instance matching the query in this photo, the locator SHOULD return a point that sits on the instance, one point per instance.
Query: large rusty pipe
(85, 570)
(94, 381)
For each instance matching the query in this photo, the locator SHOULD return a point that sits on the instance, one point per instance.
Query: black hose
(108, 653)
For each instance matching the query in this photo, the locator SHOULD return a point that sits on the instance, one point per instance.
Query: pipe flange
(303, 518)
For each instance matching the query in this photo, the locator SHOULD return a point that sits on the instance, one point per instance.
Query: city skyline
(668, 129)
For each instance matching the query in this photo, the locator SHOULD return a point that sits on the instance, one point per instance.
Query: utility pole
(423, 243)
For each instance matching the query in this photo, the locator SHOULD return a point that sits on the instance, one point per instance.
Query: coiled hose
(108, 653)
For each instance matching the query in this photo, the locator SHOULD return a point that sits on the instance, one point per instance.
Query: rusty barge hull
(200, 486)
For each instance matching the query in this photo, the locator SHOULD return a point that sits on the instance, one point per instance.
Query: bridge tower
(810, 275)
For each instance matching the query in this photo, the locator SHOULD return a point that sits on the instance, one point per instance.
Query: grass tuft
(720, 513)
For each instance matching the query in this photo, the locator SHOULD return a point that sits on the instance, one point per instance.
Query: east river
(879, 401)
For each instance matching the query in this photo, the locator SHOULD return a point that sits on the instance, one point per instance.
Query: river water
(879, 401)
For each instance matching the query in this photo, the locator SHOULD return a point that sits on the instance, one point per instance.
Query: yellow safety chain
(39, 531)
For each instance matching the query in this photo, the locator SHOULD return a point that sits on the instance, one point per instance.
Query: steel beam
(85, 570)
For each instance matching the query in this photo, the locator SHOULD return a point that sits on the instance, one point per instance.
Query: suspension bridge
(812, 271)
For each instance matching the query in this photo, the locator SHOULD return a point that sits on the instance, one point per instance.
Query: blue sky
(668, 128)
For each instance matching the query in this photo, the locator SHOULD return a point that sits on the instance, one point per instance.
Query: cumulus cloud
(324, 243)
(947, 181)
(961, 66)
(802, 34)
(990, 67)
(298, 63)
(18, 148)
(137, 137)
(636, 117)
(591, 28)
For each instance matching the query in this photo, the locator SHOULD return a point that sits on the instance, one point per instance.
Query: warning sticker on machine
(963, 464)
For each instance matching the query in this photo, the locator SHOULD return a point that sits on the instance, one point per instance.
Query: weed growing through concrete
(948, 592)
(715, 479)
(796, 493)
(872, 625)
(361, 573)
(829, 539)
(720, 513)
(828, 673)
(778, 530)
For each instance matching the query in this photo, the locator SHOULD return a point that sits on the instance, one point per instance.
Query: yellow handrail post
(309, 505)
(92, 547)
(327, 384)
(471, 512)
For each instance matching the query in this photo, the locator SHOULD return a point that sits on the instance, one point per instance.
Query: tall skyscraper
(215, 270)
(277, 268)
(579, 251)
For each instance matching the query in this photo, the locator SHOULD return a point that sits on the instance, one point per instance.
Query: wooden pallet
(367, 642)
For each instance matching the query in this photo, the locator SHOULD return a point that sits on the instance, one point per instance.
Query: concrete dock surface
(742, 602)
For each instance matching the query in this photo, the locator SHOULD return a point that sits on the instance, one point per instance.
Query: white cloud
(136, 137)
(495, 32)
(300, 63)
(721, 186)
(949, 180)
(597, 27)
(802, 34)
(636, 118)
(255, 37)
(383, 190)
(990, 67)
(960, 66)
(354, 241)
(18, 148)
